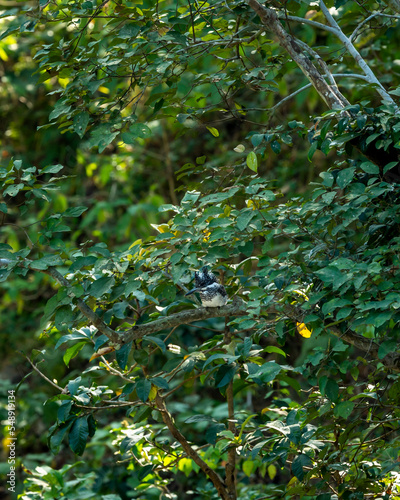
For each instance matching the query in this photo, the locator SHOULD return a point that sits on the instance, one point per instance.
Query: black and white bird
(212, 293)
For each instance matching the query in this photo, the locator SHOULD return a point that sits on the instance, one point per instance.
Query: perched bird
(212, 293)
(204, 277)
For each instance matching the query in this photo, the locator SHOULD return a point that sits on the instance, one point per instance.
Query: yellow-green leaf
(214, 131)
(252, 161)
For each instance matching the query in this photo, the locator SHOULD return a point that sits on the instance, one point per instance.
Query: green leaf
(46, 262)
(344, 409)
(252, 161)
(13, 190)
(345, 176)
(122, 354)
(73, 385)
(199, 418)
(228, 358)
(71, 352)
(78, 435)
(244, 219)
(224, 375)
(76, 335)
(370, 168)
(213, 131)
(74, 212)
(52, 169)
(276, 147)
(101, 136)
(64, 410)
(267, 372)
(160, 382)
(81, 262)
(311, 151)
(101, 286)
(386, 348)
(64, 317)
(80, 123)
(155, 340)
(274, 349)
(297, 466)
(143, 388)
(257, 139)
(389, 166)
(332, 390)
(57, 438)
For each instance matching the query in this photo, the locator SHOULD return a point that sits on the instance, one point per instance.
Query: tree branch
(210, 473)
(356, 55)
(230, 467)
(269, 18)
(236, 308)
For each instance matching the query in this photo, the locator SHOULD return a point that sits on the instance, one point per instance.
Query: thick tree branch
(269, 18)
(210, 473)
(236, 308)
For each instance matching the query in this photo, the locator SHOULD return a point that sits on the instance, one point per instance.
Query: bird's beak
(192, 291)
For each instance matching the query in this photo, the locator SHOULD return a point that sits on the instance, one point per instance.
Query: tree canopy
(143, 140)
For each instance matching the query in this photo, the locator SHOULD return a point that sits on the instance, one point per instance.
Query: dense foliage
(155, 138)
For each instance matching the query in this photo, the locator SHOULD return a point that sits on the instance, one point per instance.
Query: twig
(44, 376)
(208, 471)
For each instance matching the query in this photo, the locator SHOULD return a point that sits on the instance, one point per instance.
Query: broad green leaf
(224, 375)
(276, 350)
(199, 418)
(213, 131)
(101, 286)
(251, 161)
(46, 262)
(387, 347)
(52, 169)
(344, 409)
(13, 189)
(73, 351)
(370, 168)
(267, 372)
(122, 355)
(332, 390)
(345, 176)
(57, 438)
(64, 410)
(80, 123)
(228, 358)
(257, 139)
(160, 382)
(244, 219)
(157, 341)
(78, 435)
(143, 387)
(298, 465)
(74, 211)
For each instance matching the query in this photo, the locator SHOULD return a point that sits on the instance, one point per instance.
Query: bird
(204, 277)
(212, 293)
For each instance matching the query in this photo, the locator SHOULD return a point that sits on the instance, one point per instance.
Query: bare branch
(190, 451)
(357, 56)
(44, 376)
